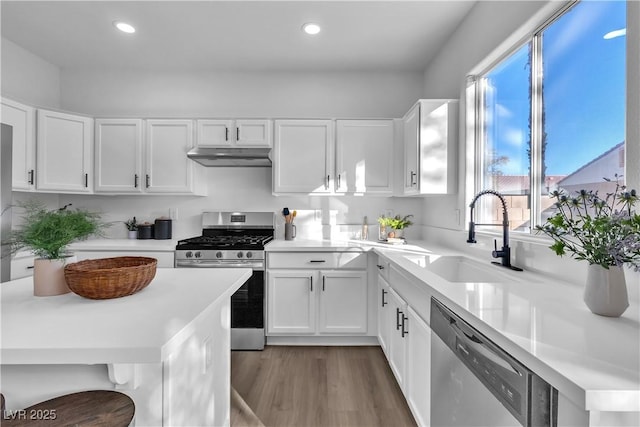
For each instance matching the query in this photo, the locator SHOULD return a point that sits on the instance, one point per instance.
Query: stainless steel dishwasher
(476, 383)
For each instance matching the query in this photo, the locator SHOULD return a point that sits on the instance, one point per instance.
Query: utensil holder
(289, 232)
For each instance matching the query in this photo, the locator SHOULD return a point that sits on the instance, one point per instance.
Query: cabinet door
(438, 147)
(343, 302)
(418, 370)
(22, 119)
(364, 156)
(64, 152)
(411, 123)
(303, 156)
(168, 170)
(398, 337)
(118, 150)
(215, 133)
(384, 315)
(291, 301)
(253, 133)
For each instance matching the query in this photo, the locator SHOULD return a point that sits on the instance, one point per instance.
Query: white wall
(241, 94)
(28, 78)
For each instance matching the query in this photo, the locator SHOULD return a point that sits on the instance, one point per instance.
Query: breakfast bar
(167, 346)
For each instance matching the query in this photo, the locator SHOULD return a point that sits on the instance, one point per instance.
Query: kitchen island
(168, 346)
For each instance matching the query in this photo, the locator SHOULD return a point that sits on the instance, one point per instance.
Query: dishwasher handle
(476, 343)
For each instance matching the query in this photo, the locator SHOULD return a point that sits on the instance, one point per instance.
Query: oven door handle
(218, 264)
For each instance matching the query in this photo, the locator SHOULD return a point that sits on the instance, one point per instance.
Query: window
(551, 115)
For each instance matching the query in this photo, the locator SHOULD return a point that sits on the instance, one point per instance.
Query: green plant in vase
(47, 233)
(605, 232)
(396, 223)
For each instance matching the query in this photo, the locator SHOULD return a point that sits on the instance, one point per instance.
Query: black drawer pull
(317, 260)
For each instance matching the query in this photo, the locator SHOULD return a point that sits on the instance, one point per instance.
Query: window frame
(530, 33)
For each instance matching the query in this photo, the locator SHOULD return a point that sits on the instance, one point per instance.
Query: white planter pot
(605, 292)
(48, 276)
(133, 234)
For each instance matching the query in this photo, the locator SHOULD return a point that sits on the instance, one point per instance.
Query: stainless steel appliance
(235, 240)
(476, 383)
(6, 147)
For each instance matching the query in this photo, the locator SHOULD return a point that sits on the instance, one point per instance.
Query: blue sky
(584, 91)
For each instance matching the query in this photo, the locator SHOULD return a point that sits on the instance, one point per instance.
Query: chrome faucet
(505, 252)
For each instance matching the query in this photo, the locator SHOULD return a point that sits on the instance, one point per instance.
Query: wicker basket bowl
(107, 278)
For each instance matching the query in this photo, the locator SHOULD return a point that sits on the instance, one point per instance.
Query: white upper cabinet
(411, 124)
(118, 151)
(229, 133)
(22, 119)
(430, 144)
(364, 156)
(64, 152)
(167, 167)
(303, 159)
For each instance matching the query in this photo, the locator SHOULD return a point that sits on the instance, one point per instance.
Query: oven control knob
(239, 254)
(249, 255)
(189, 254)
(218, 254)
(198, 254)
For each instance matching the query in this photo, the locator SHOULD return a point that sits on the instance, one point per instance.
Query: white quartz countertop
(541, 321)
(140, 328)
(168, 245)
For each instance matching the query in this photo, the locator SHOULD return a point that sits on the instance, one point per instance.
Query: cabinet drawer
(21, 267)
(317, 260)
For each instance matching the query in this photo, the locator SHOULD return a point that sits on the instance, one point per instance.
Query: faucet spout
(505, 253)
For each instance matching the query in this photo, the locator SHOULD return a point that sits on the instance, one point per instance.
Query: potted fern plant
(47, 233)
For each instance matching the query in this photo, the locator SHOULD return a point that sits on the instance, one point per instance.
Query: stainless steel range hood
(231, 157)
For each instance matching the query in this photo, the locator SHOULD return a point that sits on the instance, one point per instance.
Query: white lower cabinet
(304, 300)
(384, 315)
(343, 302)
(291, 302)
(397, 353)
(405, 337)
(418, 372)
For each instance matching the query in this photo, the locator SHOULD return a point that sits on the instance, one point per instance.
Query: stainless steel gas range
(235, 240)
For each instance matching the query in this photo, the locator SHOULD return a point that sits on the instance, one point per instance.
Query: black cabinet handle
(383, 295)
(339, 181)
(29, 267)
(322, 283)
(403, 330)
(135, 180)
(226, 133)
(148, 179)
(311, 282)
(380, 267)
(31, 176)
(398, 313)
(413, 174)
(317, 260)
(237, 134)
(86, 180)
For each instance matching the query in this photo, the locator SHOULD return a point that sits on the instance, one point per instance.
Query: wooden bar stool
(95, 408)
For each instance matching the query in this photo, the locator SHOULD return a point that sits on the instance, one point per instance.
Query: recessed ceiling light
(124, 27)
(616, 33)
(311, 28)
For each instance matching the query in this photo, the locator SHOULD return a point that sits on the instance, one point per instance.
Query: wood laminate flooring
(318, 386)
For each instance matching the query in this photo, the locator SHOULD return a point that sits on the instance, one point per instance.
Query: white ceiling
(234, 35)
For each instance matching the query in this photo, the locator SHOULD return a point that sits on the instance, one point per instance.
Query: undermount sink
(458, 269)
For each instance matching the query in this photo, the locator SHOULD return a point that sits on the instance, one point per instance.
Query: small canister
(145, 231)
(162, 229)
